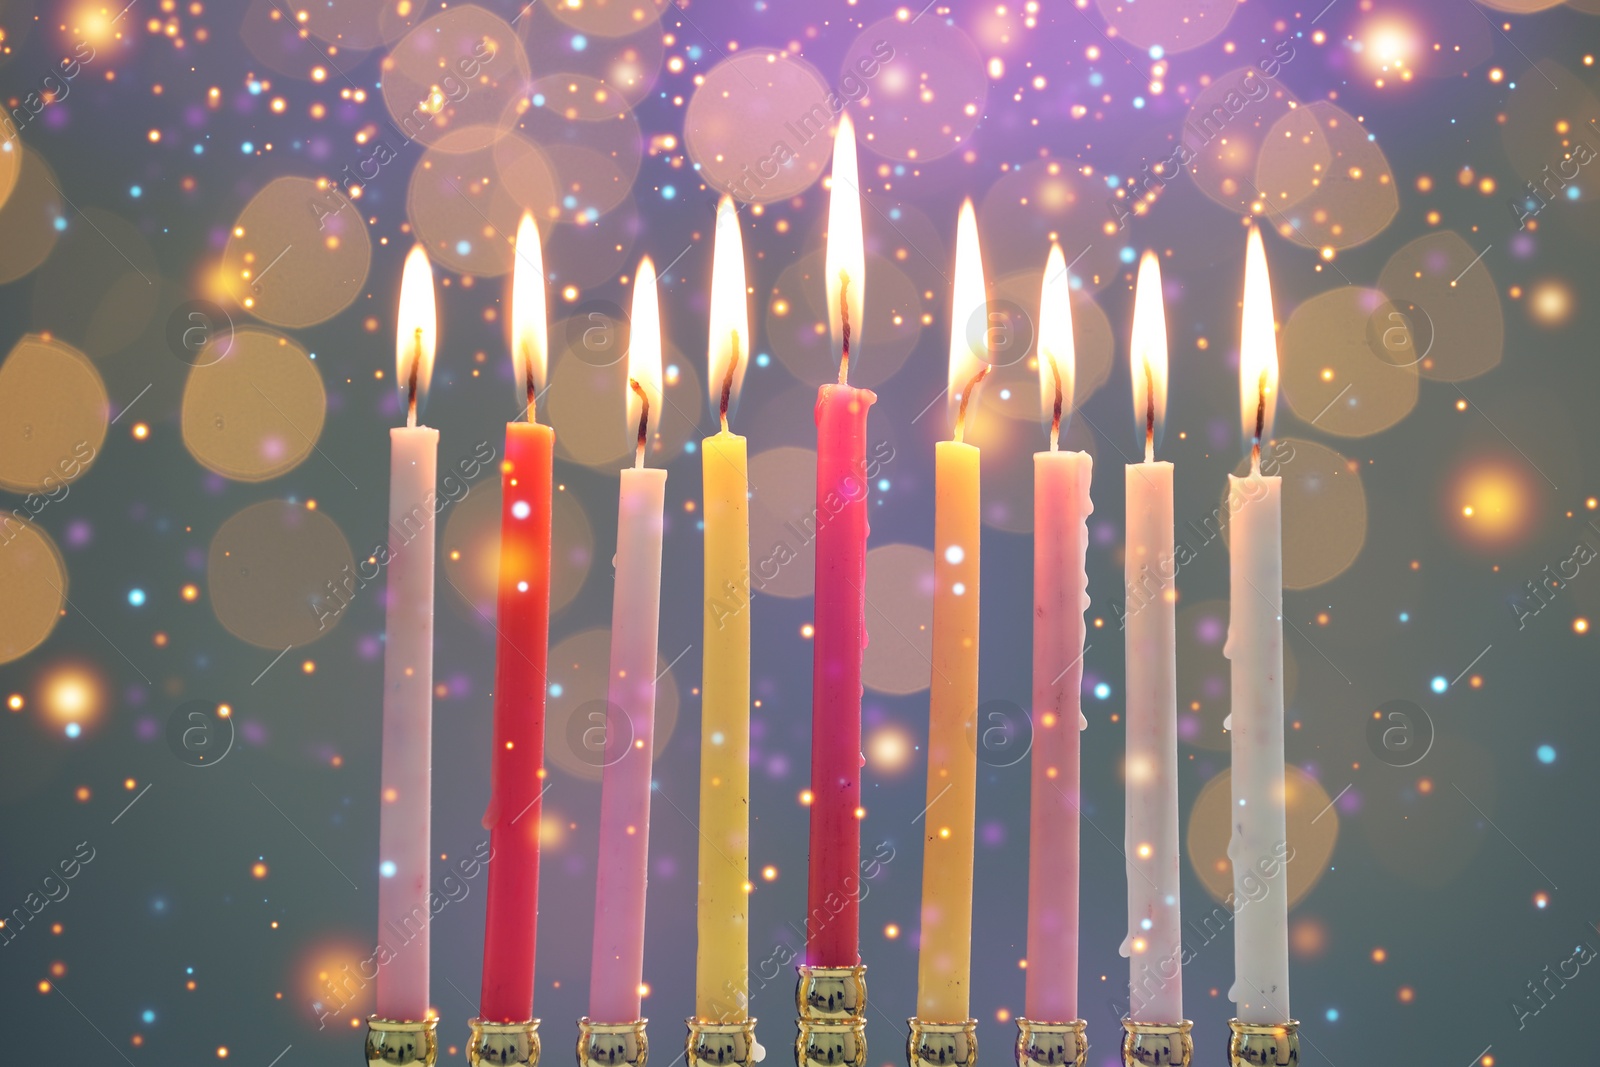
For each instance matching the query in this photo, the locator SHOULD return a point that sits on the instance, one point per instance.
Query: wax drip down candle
(1061, 510)
(1154, 943)
(405, 810)
(617, 962)
(1255, 651)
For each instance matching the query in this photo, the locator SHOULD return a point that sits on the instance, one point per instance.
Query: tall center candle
(522, 626)
(407, 769)
(617, 961)
(1258, 844)
(1061, 510)
(944, 960)
(723, 910)
(839, 611)
(1154, 945)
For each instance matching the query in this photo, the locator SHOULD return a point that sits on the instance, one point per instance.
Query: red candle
(523, 624)
(832, 920)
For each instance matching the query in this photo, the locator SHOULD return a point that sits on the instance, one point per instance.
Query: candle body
(722, 953)
(1258, 844)
(833, 876)
(944, 963)
(617, 963)
(1154, 945)
(1061, 509)
(407, 771)
(522, 623)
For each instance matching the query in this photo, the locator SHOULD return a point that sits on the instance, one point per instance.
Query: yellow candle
(944, 964)
(721, 967)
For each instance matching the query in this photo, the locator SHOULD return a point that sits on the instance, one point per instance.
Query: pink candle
(406, 775)
(1061, 509)
(617, 963)
(833, 890)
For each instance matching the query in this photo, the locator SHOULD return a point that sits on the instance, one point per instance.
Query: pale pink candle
(1154, 945)
(1061, 509)
(406, 773)
(617, 963)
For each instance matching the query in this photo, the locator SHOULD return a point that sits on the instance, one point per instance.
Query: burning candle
(1255, 649)
(617, 963)
(403, 823)
(840, 626)
(522, 623)
(1154, 945)
(944, 962)
(722, 953)
(1061, 510)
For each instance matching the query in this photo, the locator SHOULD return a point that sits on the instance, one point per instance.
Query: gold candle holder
(722, 1044)
(833, 1022)
(941, 1044)
(402, 1042)
(1041, 1044)
(503, 1044)
(1157, 1044)
(1263, 1044)
(612, 1044)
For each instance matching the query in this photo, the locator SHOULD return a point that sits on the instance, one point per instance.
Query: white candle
(406, 775)
(1154, 945)
(1255, 649)
(617, 961)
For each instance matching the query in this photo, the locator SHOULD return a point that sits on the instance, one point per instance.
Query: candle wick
(533, 393)
(414, 379)
(966, 395)
(644, 420)
(727, 377)
(1149, 413)
(1055, 417)
(1261, 423)
(844, 330)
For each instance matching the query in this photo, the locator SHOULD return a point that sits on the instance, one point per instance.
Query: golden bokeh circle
(899, 595)
(1205, 684)
(457, 81)
(608, 18)
(797, 323)
(1548, 137)
(1222, 138)
(1344, 192)
(1446, 295)
(783, 500)
(463, 214)
(1332, 377)
(298, 254)
(760, 125)
(1312, 825)
(1324, 510)
(255, 411)
(1045, 200)
(272, 573)
(29, 216)
(54, 412)
(1173, 25)
(471, 547)
(10, 168)
(528, 177)
(575, 707)
(588, 403)
(590, 138)
(33, 587)
(917, 87)
(97, 298)
(629, 60)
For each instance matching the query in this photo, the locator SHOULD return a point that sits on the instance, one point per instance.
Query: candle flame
(644, 359)
(530, 347)
(1057, 358)
(1147, 353)
(729, 342)
(417, 331)
(1258, 351)
(845, 261)
(969, 319)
